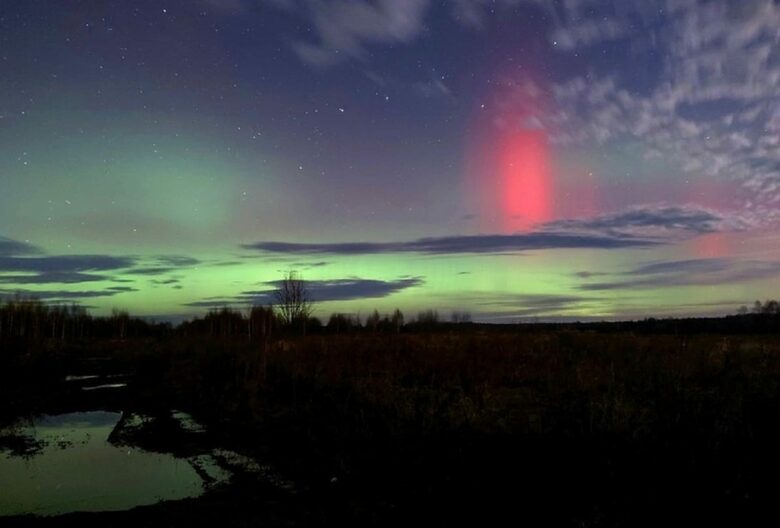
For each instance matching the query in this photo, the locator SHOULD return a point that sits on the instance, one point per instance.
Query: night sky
(517, 159)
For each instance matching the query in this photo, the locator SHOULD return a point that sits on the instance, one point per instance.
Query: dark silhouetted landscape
(381, 421)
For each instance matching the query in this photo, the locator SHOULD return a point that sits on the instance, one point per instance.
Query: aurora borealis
(571, 159)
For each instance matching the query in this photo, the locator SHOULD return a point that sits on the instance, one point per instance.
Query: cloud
(711, 265)
(537, 305)
(59, 277)
(693, 272)
(59, 269)
(435, 87)
(152, 270)
(66, 295)
(63, 269)
(10, 247)
(344, 28)
(541, 301)
(22, 263)
(464, 244)
(64, 263)
(720, 53)
(636, 227)
(589, 32)
(162, 264)
(655, 221)
(178, 260)
(320, 291)
(491, 307)
(709, 109)
(343, 289)
(165, 281)
(470, 12)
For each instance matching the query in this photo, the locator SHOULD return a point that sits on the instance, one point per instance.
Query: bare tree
(120, 318)
(397, 320)
(373, 321)
(294, 300)
(260, 321)
(460, 317)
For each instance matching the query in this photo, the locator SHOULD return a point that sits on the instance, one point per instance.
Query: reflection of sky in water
(105, 386)
(79, 470)
(74, 422)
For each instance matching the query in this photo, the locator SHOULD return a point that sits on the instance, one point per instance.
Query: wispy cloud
(165, 282)
(320, 291)
(52, 277)
(507, 307)
(589, 32)
(718, 55)
(163, 264)
(637, 227)
(694, 272)
(434, 87)
(22, 263)
(466, 244)
(66, 295)
(658, 220)
(12, 247)
(344, 28)
(63, 269)
(64, 263)
(343, 289)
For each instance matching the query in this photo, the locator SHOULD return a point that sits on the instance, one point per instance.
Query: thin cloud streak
(696, 272)
(66, 295)
(320, 291)
(637, 227)
(474, 244)
(9, 247)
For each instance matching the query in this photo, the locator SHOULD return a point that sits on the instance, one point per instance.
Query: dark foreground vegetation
(631, 424)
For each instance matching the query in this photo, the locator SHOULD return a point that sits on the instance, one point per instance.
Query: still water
(76, 468)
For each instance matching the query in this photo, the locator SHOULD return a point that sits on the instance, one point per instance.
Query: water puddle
(73, 462)
(105, 386)
(81, 378)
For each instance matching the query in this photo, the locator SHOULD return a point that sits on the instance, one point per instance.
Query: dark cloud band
(320, 291)
(480, 244)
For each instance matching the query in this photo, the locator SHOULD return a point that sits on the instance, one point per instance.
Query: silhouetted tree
(339, 322)
(397, 320)
(293, 300)
(120, 319)
(428, 317)
(460, 317)
(260, 322)
(769, 307)
(373, 320)
(30, 319)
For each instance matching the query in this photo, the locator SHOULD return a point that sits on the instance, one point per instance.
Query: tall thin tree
(293, 300)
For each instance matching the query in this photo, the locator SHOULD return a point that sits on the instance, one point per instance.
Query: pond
(73, 462)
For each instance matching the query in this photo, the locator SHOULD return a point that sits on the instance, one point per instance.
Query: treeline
(30, 319)
(262, 322)
(768, 307)
(761, 318)
(24, 318)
